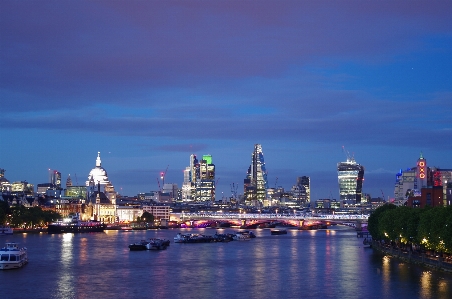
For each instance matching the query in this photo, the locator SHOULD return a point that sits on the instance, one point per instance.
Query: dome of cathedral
(97, 175)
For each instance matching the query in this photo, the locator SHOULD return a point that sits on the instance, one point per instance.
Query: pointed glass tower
(256, 183)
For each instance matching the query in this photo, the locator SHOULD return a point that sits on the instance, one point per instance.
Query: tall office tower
(68, 181)
(199, 180)
(301, 191)
(350, 177)
(305, 181)
(193, 176)
(55, 179)
(194, 169)
(205, 185)
(256, 184)
(186, 186)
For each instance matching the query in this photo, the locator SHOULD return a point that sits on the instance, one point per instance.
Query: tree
(147, 217)
(374, 219)
(4, 211)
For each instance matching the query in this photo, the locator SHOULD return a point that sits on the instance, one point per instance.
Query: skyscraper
(350, 177)
(199, 180)
(256, 184)
(302, 190)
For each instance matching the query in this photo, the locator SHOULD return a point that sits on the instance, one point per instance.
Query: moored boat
(142, 245)
(5, 230)
(75, 225)
(223, 237)
(249, 233)
(13, 257)
(193, 238)
(157, 244)
(367, 242)
(278, 231)
(241, 236)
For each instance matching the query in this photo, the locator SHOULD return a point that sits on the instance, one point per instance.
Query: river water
(328, 263)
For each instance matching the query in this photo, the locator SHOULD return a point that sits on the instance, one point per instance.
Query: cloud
(111, 51)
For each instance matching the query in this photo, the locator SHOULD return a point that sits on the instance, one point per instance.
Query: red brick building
(430, 196)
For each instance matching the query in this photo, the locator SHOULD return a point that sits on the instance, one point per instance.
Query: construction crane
(234, 188)
(347, 154)
(162, 176)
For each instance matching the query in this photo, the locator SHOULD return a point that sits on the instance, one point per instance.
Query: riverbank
(419, 258)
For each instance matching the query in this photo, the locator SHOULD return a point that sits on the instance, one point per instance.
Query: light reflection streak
(385, 273)
(426, 284)
(442, 286)
(83, 250)
(65, 283)
(293, 271)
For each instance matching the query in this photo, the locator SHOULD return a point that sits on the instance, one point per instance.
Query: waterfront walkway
(429, 259)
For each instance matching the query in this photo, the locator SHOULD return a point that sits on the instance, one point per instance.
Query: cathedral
(101, 195)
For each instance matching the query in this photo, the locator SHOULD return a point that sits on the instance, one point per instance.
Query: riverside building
(101, 197)
(411, 183)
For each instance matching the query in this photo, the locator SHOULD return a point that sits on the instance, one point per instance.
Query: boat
(157, 244)
(5, 230)
(12, 257)
(180, 238)
(313, 227)
(223, 237)
(193, 238)
(241, 236)
(367, 242)
(278, 231)
(75, 225)
(249, 233)
(142, 245)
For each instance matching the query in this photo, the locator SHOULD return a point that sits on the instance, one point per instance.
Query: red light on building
(437, 179)
(421, 169)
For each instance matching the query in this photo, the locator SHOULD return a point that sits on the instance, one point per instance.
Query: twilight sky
(147, 83)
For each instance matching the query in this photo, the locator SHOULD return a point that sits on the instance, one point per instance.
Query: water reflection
(426, 284)
(65, 278)
(301, 264)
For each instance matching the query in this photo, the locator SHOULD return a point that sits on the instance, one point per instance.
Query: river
(328, 263)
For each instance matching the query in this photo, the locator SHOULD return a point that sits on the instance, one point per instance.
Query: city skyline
(147, 84)
(53, 173)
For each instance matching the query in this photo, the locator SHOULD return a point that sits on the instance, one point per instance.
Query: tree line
(430, 228)
(20, 216)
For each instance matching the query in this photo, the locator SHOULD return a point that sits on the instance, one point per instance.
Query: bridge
(226, 215)
(265, 219)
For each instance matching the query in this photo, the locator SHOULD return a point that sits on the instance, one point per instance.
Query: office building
(350, 178)
(255, 183)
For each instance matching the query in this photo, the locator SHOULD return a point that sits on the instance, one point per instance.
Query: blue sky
(147, 83)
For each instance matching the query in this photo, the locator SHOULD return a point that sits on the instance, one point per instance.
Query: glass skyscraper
(256, 183)
(350, 177)
(199, 180)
